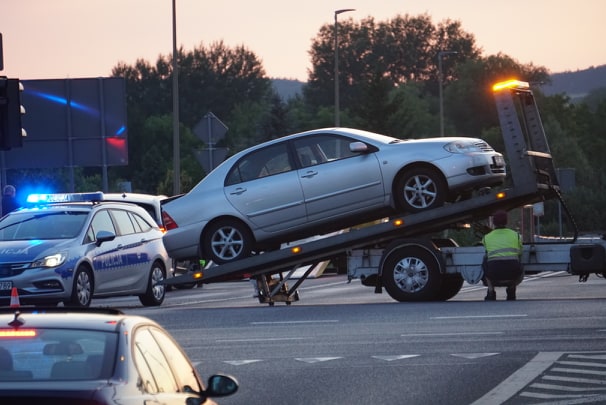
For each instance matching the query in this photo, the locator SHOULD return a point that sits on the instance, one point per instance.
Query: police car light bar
(510, 84)
(65, 197)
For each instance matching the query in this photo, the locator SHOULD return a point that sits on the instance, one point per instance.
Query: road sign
(210, 158)
(210, 129)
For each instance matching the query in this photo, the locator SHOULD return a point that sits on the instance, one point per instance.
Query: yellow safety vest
(502, 244)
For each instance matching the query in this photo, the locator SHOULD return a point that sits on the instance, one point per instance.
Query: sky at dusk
(51, 39)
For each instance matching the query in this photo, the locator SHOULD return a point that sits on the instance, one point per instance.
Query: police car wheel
(82, 290)
(154, 295)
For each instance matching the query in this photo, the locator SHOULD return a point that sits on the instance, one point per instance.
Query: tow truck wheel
(451, 285)
(227, 240)
(411, 273)
(419, 189)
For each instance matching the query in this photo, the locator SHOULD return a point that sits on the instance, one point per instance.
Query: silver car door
(265, 189)
(335, 180)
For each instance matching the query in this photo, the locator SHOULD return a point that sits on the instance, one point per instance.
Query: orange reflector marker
(295, 249)
(510, 84)
(501, 195)
(398, 222)
(12, 333)
(198, 275)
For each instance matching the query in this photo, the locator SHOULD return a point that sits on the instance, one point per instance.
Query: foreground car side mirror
(220, 385)
(358, 147)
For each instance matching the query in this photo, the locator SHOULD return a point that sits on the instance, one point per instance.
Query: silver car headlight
(51, 260)
(462, 146)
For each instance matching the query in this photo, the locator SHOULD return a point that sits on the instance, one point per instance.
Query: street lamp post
(337, 118)
(176, 151)
(440, 80)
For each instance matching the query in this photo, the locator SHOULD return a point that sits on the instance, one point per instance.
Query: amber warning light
(510, 84)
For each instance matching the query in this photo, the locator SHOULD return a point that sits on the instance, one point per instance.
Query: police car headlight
(51, 261)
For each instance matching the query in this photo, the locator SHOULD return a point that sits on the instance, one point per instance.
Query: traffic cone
(15, 298)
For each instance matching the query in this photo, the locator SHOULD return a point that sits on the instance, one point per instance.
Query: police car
(72, 247)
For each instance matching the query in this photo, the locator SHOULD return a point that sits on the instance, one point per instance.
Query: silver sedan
(317, 182)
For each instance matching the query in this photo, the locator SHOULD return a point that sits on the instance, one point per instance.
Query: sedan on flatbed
(317, 182)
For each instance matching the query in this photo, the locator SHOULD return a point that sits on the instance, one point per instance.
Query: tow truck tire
(451, 285)
(411, 273)
(226, 241)
(419, 189)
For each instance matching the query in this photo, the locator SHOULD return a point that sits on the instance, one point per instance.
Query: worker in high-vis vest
(502, 267)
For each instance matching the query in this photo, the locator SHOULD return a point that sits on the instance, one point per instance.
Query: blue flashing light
(64, 198)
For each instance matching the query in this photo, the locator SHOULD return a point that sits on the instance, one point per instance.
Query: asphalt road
(343, 344)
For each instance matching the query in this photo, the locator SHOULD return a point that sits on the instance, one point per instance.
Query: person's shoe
(511, 294)
(491, 296)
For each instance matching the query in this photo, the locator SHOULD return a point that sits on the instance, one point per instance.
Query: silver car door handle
(238, 191)
(310, 173)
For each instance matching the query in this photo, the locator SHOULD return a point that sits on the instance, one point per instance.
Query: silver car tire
(419, 189)
(155, 293)
(83, 288)
(227, 241)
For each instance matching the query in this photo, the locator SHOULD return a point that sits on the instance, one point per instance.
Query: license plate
(498, 161)
(6, 285)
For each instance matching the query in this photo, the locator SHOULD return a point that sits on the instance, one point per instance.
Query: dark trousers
(503, 273)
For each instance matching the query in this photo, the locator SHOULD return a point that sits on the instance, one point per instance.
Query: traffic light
(11, 132)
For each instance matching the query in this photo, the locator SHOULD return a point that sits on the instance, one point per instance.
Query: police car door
(109, 257)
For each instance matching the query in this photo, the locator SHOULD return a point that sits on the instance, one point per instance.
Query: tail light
(168, 222)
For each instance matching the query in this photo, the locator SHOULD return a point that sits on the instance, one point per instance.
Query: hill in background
(574, 84)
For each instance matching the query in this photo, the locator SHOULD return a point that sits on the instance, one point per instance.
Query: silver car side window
(260, 163)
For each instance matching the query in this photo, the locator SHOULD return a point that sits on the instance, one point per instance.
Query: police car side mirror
(104, 236)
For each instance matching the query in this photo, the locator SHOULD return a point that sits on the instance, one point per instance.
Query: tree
(375, 58)
(231, 83)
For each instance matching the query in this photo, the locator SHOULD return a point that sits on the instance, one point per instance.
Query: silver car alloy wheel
(420, 191)
(227, 243)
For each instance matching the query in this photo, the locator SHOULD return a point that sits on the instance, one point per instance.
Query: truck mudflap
(586, 259)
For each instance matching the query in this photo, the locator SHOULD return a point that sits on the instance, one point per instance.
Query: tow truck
(398, 256)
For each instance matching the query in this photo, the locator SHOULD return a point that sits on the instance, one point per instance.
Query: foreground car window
(55, 225)
(56, 354)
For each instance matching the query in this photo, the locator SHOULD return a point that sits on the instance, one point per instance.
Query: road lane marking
(312, 360)
(397, 357)
(452, 334)
(294, 322)
(520, 379)
(479, 316)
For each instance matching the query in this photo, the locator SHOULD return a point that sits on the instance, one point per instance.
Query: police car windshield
(49, 225)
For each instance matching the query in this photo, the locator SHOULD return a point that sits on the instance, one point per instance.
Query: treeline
(390, 75)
